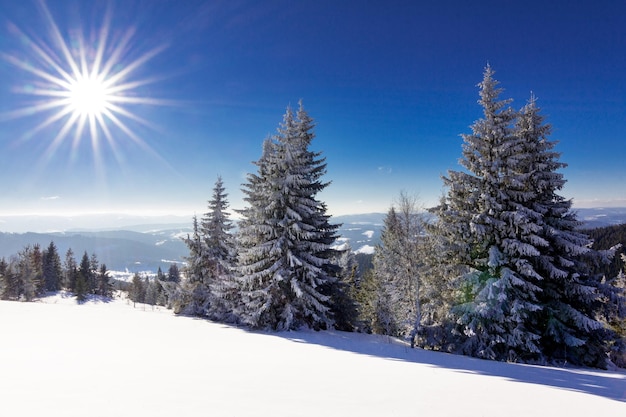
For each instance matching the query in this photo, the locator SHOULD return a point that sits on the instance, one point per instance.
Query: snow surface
(367, 249)
(110, 359)
(368, 233)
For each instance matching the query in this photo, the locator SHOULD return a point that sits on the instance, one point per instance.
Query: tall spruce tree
(489, 238)
(286, 272)
(52, 269)
(523, 290)
(36, 261)
(219, 255)
(83, 278)
(209, 285)
(104, 284)
(572, 298)
(344, 303)
(137, 290)
(94, 266)
(195, 289)
(173, 273)
(70, 271)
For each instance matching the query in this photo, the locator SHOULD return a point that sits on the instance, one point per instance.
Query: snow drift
(110, 359)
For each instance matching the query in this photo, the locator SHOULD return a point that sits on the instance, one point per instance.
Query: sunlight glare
(88, 96)
(85, 87)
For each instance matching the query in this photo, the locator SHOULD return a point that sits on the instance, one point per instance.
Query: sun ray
(140, 142)
(30, 110)
(35, 71)
(60, 42)
(49, 121)
(135, 64)
(112, 108)
(109, 137)
(116, 55)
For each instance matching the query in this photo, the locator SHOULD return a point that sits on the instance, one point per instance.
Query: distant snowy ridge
(601, 217)
(145, 247)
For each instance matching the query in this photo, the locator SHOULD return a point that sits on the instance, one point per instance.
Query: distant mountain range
(148, 246)
(120, 250)
(601, 217)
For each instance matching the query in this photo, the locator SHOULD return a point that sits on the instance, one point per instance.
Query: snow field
(110, 359)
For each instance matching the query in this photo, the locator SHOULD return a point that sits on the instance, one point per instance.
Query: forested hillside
(120, 250)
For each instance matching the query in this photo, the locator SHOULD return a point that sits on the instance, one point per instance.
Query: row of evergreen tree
(154, 290)
(33, 272)
(503, 271)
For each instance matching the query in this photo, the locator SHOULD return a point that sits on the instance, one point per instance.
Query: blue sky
(390, 84)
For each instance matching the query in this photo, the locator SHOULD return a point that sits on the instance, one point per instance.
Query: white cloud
(52, 197)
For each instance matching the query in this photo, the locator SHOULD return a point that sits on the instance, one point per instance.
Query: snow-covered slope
(110, 359)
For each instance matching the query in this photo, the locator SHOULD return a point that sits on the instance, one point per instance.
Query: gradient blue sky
(390, 84)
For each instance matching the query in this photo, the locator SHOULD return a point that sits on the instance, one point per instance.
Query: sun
(88, 96)
(84, 88)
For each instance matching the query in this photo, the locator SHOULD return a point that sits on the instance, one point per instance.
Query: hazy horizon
(47, 223)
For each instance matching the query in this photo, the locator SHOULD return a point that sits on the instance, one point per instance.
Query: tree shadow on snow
(610, 385)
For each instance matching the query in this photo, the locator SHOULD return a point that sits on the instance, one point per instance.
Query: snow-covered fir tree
(70, 271)
(572, 300)
(366, 297)
(51, 268)
(209, 283)
(83, 278)
(497, 289)
(104, 285)
(345, 308)
(21, 276)
(219, 254)
(285, 261)
(35, 258)
(194, 290)
(137, 289)
(520, 263)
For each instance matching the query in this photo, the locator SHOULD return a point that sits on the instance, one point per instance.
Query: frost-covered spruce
(345, 307)
(194, 290)
(285, 261)
(571, 300)
(219, 254)
(524, 290)
(489, 238)
(209, 285)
